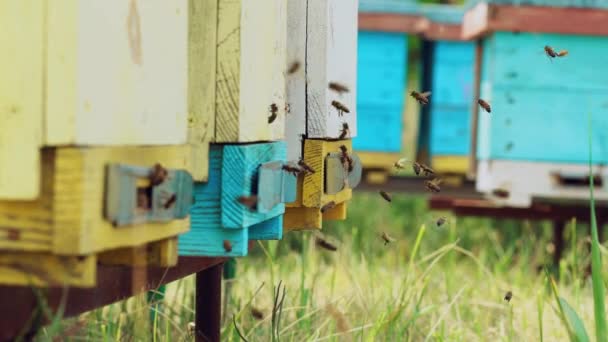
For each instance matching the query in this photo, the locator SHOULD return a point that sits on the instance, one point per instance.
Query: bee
(441, 221)
(170, 201)
(339, 88)
(274, 110)
(484, 105)
(326, 244)
(158, 175)
(433, 185)
(292, 169)
(399, 165)
(417, 168)
(257, 313)
(425, 169)
(344, 131)
(500, 193)
(227, 246)
(305, 166)
(328, 206)
(387, 239)
(562, 53)
(509, 146)
(422, 98)
(295, 66)
(287, 108)
(248, 201)
(550, 52)
(386, 196)
(340, 107)
(508, 296)
(346, 160)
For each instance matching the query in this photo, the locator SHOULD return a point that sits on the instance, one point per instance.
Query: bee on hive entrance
(340, 107)
(386, 238)
(294, 170)
(500, 193)
(328, 206)
(486, 106)
(170, 201)
(274, 111)
(338, 88)
(441, 221)
(347, 161)
(386, 196)
(248, 201)
(344, 131)
(227, 246)
(433, 185)
(257, 313)
(508, 296)
(158, 175)
(325, 244)
(295, 66)
(422, 98)
(305, 166)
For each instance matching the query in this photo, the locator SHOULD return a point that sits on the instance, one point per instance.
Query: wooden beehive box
(448, 68)
(220, 224)
(88, 73)
(535, 143)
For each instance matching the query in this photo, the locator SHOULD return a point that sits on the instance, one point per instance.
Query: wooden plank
(295, 120)
(202, 38)
(441, 31)
(472, 172)
(207, 235)
(391, 22)
(331, 56)
(252, 58)
(161, 253)
(301, 218)
(450, 164)
(132, 93)
(485, 18)
(21, 98)
(240, 165)
(271, 229)
(68, 217)
(45, 269)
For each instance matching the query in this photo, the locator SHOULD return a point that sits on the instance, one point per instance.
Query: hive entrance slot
(578, 180)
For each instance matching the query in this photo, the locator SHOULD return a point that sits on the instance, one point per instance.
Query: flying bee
(305, 166)
(293, 67)
(274, 110)
(338, 88)
(328, 206)
(425, 169)
(441, 221)
(508, 296)
(248, 201)
(340, 107)
(562, 53)
(346, 160)
(325, 244)
(399, 165)
(386, 238)
(287, 108)
(257, 313)
(158, 175)
(291, 169)
(433, 185)
(386, 196)
(170, 201)
(484, 105)
(344, 131)
(227, 246)
(417, 168)
(422, 98)
(550, 52)
(500, 193)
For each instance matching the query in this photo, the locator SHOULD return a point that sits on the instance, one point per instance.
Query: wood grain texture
(251, 62)
(331, 56)
(485, 18)
(528, 180)
(45, 269)
(67, 218)
(206, 236)
(240, 165)
(132, 93)
(202, 38)
(450, 164)
(313, 194)
(302, 218)
(390, 22)
(271, 229)
(161, 253)
(21, 98)
(295, 120)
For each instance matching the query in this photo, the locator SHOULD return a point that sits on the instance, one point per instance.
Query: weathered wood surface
(68, 217)
(331, 56)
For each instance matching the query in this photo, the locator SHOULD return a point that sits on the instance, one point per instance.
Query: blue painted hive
(381, 87)
(218, 219)
(540, 106)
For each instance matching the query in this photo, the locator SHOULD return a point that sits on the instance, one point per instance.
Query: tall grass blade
(576, 324)
(539, 306)
(561, 313)
(601, 331)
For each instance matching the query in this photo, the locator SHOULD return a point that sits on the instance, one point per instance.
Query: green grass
(435, 284)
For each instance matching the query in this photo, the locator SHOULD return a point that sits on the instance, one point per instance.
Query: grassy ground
(433, 283)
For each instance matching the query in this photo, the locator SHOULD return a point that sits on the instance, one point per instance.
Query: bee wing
(426, 94)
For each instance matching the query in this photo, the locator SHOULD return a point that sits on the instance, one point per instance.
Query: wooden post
(208, 304)
(558, 241)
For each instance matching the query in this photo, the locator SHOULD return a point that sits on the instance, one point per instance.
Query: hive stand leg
(208, 304)
(558, 241)
(229, 274)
